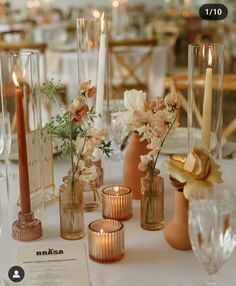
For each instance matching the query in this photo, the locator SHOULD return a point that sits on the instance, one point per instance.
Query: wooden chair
(179, 83)
(13, 35)
(167, 34)
(129, 61)
(26, 45)
(41, 48)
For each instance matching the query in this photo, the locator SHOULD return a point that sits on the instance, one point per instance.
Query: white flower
(171, 100)
(134, 99)
(144, 162)
(124, 120)
(144, 132)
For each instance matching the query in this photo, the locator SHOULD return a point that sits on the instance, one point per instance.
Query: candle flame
(102, 23)
(15, 79)
(18, 74)
(115, 4)
(101, 230)
(96, 14)
(116, 189)
(210, 58)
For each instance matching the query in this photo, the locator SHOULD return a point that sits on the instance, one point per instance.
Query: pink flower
(141, 117)
(87, 90)
(171, 100)
(79, 109)
(95, 137)
(159, 123)
(145, 162)
(159, 104)
(154, 143)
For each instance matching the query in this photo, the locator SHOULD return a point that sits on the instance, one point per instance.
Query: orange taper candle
(22, 152)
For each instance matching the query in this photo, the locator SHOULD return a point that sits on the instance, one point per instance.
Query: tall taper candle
(22, 151)
(101, 76)
(207, 105)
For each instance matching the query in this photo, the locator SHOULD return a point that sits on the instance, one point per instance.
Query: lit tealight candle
(117, 202)
(106, 240)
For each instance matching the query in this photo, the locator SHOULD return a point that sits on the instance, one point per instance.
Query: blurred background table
(173, 24)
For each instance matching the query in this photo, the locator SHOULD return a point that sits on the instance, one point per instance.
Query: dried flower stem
(162, 142)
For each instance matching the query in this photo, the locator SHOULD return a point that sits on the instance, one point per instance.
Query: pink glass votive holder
(106, 240)
(117, 202)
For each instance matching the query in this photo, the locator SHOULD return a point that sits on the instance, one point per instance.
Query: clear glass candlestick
(106, 240)
(205, 96)
(87, 47)
(117, 202)
(5, 142)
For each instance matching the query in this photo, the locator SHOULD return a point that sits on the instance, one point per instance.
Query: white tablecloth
(148, 260)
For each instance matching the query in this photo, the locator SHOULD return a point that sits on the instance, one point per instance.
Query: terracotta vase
(131, 174)
(176, 232)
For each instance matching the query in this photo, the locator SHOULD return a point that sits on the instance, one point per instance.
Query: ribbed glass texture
(71, 211)
(152, 202)
(117, 202)
(106, 240)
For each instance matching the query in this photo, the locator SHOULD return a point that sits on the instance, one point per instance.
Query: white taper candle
(207, 106)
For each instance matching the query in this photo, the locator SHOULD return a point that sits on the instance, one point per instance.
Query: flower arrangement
(152, 120)
(197, 171)
(74, 128)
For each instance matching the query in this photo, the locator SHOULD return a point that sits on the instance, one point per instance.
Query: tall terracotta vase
(176, 232)
(131, 174)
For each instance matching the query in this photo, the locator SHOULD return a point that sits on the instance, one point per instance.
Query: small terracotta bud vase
(131, 174)
(176, 232)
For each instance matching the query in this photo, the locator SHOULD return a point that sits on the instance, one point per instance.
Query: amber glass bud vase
(71, 210)
(152, 201)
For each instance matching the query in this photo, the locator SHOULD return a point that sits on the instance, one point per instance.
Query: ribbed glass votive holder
(106, 240)
(117, 202)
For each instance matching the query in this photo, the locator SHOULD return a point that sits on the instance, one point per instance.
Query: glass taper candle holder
(117, 202)
(20, 97)
(87, 51)
(205, 96)
(106, 240)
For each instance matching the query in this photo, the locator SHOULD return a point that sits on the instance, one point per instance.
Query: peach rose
(198, 163)
(159, 104)
(87, 90)
(79, 109)
(172, 100)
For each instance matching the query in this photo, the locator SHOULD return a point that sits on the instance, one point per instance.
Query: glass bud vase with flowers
(149, 123)
(157, 125)
(77, 140)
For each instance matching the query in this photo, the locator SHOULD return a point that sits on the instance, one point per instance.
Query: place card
(53, 264)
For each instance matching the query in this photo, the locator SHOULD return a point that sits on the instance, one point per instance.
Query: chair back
(129, 62)
(13, 35)
(27, 45)
(179, 84)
